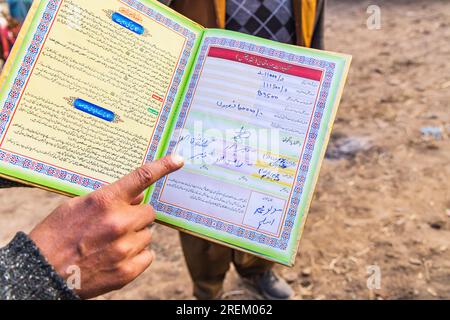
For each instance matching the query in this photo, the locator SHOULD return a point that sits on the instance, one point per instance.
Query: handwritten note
(243, 139)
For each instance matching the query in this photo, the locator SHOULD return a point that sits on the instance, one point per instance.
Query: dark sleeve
(4, 184)
(26, 275)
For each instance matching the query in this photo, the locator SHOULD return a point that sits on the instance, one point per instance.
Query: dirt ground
(383, 198)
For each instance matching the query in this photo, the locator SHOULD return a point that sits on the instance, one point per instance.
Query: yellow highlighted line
(277, 169)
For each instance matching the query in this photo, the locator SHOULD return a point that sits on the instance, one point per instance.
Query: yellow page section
(90, 57)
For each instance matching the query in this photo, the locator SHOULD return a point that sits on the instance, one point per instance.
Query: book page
(248, 134)
(95, 89)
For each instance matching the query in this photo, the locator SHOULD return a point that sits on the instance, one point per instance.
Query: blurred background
(12, 14)
(382, 205)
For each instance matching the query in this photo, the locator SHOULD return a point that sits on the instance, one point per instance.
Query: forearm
(26, 275)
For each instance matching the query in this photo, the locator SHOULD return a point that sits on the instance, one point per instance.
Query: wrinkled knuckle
(126, 272)
(145, 174)
(121, 251)
(97, 201)
(116, 227)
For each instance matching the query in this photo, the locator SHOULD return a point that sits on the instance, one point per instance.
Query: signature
(269, 213)
(198, 141)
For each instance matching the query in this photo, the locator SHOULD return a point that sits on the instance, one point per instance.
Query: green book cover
(94, 89)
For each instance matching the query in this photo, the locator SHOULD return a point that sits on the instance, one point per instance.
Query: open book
(94, 89)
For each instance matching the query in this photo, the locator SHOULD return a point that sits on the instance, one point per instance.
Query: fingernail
(177, 159)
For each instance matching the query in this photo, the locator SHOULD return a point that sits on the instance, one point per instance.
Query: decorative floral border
(27, 65)
(283, 241)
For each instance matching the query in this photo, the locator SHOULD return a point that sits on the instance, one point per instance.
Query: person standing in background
(9, 29)
(10, 26)
(299, 22)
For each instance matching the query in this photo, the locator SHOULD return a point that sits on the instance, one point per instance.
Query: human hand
(105, 234)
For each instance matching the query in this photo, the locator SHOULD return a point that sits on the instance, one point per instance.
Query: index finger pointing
(133, 184)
